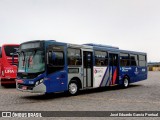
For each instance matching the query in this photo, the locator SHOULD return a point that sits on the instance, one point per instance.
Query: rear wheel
(73, 88)
(125, 82)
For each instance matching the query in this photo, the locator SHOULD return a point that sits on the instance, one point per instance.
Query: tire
(125, 82)
(73, 88)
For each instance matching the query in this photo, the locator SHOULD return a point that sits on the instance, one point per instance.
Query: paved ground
(141, 96)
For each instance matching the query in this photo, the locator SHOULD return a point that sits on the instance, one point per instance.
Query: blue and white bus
(47, 66)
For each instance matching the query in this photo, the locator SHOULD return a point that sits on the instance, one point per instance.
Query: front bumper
(41, 88)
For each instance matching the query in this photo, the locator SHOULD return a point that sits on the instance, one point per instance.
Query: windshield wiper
(23, 59)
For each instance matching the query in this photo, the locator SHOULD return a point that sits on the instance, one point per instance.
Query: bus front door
(87, 69)
(113, 66)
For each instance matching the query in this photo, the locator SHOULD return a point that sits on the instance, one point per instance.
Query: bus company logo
(21, 114)
(98, 71)
(95, 71)
(126, 69)
(136, 71)
(9, 71)
(6, 114)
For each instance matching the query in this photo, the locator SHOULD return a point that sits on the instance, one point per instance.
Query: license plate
(24, 87)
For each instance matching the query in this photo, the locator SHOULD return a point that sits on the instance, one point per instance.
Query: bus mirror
(13, 56)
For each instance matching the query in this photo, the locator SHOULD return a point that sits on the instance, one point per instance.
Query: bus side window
(142, 60)
(134, 59)
(101, 58)
(124, 59)
(56, 58)
(74, 57)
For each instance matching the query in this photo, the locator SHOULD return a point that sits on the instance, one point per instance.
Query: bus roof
(10, 45)
(115, 49)
(132, 52)
(80, 46)
(31, 41)
(92, 46)
(100, 45)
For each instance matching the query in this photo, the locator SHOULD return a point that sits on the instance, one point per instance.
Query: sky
(128, 24)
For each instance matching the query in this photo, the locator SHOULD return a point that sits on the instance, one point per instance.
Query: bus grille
(20, 86)
(12, 63)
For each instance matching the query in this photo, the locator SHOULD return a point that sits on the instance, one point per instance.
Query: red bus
(8, 70)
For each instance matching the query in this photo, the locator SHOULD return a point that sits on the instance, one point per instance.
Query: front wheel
(73, 88)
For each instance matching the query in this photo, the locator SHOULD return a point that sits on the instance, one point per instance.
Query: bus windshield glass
(31, 61)
(11, 50)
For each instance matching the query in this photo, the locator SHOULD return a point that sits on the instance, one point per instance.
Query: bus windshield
(10, 50)
(31, 61)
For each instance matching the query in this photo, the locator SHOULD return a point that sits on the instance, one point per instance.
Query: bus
(48, 66)
(8, 69)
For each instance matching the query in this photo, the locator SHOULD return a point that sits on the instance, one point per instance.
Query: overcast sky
(128, 24)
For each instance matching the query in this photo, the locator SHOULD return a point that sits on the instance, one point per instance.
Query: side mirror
(13, 60)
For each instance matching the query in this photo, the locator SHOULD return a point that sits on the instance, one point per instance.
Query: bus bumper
(41, 88)
(7, 81)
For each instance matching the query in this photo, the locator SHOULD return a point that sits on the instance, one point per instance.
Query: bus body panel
(134, 73)
(58, 81)
(75, 73)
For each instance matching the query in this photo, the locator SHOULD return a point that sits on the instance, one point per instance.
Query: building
(154, 66)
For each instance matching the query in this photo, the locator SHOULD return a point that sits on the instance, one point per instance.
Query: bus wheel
(73, 88)
(125, 82)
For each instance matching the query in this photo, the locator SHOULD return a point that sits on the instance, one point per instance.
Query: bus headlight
(39, 82)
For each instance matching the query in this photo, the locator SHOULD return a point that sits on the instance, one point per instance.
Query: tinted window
(10, 50)
(113, 59)
(101, 58)
(87, 57)
(124, 56)
(58, 60)
(74, 56)
(142, 60)
(142, 63)
(142, 57)
(134, 59)
(124, 59)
